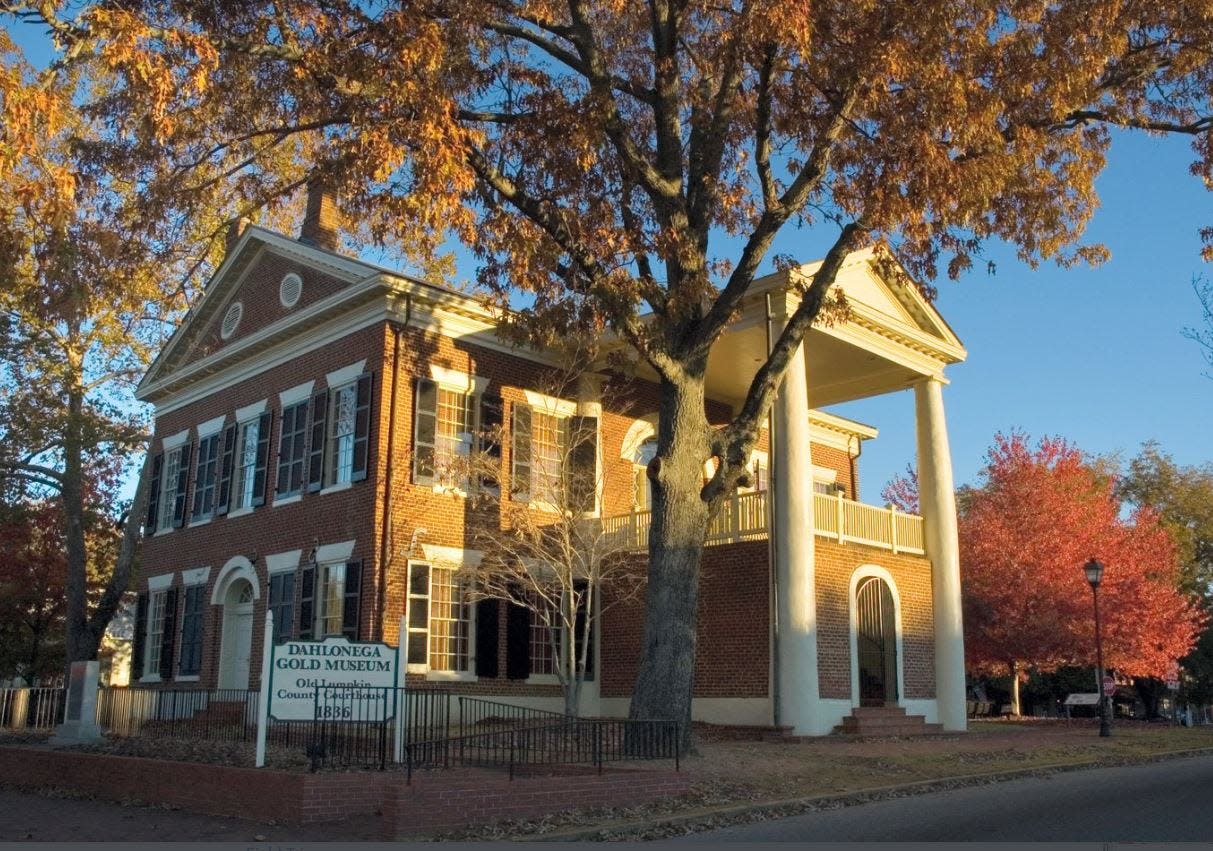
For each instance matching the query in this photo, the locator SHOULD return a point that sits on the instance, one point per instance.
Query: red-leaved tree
(1037, 516)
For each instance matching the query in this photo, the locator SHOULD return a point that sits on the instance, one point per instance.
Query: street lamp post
(1094, 571)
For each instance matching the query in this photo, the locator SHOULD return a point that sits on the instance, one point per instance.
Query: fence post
(513, 737)
(893, 527)
(841, 516)
(677, 748)
(598, 746)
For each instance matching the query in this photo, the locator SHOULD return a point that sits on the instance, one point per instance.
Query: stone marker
(80, 715)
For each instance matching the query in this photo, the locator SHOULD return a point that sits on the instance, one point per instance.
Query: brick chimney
(235, 230)
(321, 221)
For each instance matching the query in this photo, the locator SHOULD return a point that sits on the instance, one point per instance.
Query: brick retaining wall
(435, 800)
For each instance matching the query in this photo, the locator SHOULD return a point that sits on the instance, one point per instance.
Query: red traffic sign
(1109, 686)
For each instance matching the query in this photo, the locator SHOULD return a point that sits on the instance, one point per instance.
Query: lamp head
(1094, 571)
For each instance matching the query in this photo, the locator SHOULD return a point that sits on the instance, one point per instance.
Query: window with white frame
(206, 478)
(760, 473)
(549, 440)
(439, 619)
(170, 483)
(330, 617)
(545, 624)
(247, 439)
(444, 425)
(156, 608)
(344, 406)
(643, 488)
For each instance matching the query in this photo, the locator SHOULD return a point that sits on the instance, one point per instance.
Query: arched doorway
(876, 642)
(236, 649)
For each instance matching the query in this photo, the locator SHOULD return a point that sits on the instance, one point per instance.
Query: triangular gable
(197, 335)
(883, 284)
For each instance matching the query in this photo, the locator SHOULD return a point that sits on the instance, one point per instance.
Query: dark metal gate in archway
(876, 642)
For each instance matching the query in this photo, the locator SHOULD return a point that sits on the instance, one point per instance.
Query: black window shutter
(183, 480)
(307, 599)
(226, 466)
(520, 452)
(582, 477)
(362, 427)
(263, 456)
(286, 425)
(579, 628)
(140, 638)
(315, 463)
(168, 638)
(425, 431)
(351, 605)
(492, 417)
(191, 631)
(486, 637)
(517, 642)
(153, 495)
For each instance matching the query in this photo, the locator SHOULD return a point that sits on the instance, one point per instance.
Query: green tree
(630, 165)
(1182, 496)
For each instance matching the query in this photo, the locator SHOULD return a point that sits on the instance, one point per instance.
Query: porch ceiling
(839, 370)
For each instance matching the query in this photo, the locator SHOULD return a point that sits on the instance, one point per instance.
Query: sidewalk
(733, 781)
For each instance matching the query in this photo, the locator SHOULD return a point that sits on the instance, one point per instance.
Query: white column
(937, 496)
(792, 519)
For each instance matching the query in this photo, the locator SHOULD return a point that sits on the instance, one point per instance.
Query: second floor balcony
(836, 518)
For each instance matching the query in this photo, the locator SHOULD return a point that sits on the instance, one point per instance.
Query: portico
(893, 339)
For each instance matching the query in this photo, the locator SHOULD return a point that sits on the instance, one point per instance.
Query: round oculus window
(231, 320)
(290, 289)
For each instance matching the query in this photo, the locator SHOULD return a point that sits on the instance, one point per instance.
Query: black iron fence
(477, 714)
(31, 708)
(568, 741)
(367, 727)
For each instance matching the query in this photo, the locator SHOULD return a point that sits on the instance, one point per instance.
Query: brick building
(304, 407)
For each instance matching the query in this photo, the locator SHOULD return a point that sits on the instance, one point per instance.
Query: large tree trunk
(665, 680)
(78, 646)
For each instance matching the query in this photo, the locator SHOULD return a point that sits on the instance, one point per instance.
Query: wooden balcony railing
(834, 517)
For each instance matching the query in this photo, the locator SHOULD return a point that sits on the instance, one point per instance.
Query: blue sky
(1095, 355)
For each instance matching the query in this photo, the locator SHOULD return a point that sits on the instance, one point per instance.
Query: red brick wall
(255, 793)
(839, 461)
(434, 801)
(317, 518)
(836, 563)
(259, 294)
(732, 656)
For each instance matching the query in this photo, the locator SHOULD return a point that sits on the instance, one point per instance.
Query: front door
(876, 643)
(237, 649)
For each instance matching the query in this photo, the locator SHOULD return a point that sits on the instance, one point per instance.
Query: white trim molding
(211, 426)
(298, 393)
(341, 377)
(247, 413)
(160, 583)
(237, 567)
(282, 562)
(175, 440)
(458, 381)
(638, 432)
(862, 572)
(550, 404)
(436, 554)
(197, 576)
(334, 553)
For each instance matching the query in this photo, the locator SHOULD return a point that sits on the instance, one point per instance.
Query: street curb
(794, 806)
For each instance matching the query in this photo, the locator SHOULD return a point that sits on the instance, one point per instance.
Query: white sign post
(333, 679)
(263, 697)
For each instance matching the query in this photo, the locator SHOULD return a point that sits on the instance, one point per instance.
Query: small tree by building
(549, 553)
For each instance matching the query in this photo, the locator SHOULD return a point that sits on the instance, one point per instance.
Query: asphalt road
(1160, 802)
